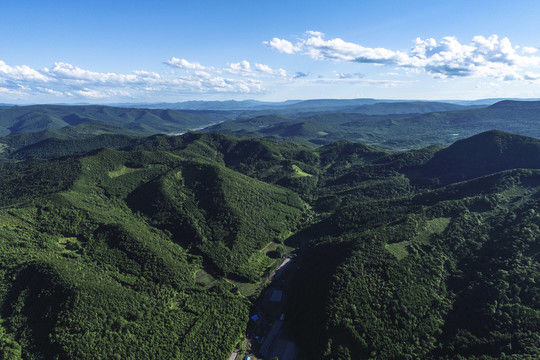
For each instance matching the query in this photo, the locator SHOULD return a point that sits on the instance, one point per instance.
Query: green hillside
(408, 272)
(157, 248)
(100, 254)
(409, 107)
(483, 154)
(391, 129)
(16, 141)
(23, 119)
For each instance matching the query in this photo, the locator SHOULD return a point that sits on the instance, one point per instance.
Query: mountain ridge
(174, 236)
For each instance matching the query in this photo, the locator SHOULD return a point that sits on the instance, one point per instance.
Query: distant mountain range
(326, 104)
(391, 125)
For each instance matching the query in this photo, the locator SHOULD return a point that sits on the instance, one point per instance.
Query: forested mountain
(396, 125)
(403, 267)
(325, 105)
(100, 253)
(145, 249)
(39, 131)
(21, 119)
(396, 131)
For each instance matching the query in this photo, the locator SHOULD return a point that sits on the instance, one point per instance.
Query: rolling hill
(100, 250)
(159, 247)
(318, 105)
(393, 131)
(20, 119)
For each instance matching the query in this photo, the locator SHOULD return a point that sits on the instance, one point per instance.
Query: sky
(170, 51)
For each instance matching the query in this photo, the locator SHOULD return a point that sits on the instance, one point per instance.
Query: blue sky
(141, 51)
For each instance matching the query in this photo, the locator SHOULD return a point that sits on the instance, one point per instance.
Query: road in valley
(267, 337)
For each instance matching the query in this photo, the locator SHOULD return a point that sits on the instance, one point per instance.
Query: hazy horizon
(135, 103)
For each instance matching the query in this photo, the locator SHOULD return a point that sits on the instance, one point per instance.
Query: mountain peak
(482, 154)
(515, 104)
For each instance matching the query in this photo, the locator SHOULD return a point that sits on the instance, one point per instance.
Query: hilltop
(392, 125)
(35, 118)
(109, 238)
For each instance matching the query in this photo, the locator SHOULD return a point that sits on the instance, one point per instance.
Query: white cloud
(184, 64)
(350, 76)
(21, 72)
(531, 76)
(241, 67)
(68, 72)
(244, 68)
(482, 57)
(65, 80)
(281, 45)
(203, 74)
(314, 33)
(268, 70)
(529, 50)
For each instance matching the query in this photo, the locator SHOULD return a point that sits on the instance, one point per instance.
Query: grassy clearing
(297, 172)
(270, 247)
(399, 250)
(204, 278)
(272, 170)
(70, 245)
(245, 288)
(434, 226)
(122, 171)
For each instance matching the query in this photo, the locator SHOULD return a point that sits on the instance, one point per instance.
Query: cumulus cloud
(242, 67)
(282, 45)
(268, 70)
(529, 50)
(482, 57)
(21, 72)
(314, 33)
(65, 80)
(184, 64)
(531, 76)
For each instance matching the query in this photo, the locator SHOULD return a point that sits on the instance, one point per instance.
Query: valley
(137, 244)
(269, 180)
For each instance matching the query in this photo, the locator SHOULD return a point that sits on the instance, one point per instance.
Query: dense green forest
(30, 124)
(156, 247)
(406, 268)
(100, 253)
(394, 126)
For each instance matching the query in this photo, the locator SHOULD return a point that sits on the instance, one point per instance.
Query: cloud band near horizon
(64, 80)
(447, 58)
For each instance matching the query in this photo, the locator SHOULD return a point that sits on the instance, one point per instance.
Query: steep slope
(221, 214)
(403, 272)
(99, 254)
(431, 253)
(482, 154)
(54, 148)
